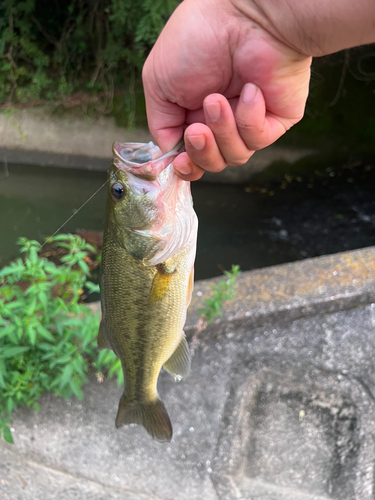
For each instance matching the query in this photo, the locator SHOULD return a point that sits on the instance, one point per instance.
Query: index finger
(166, 119)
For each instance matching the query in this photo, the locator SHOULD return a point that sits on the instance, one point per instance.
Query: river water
(239, 224)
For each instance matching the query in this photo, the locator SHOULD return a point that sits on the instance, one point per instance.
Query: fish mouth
(143, 160)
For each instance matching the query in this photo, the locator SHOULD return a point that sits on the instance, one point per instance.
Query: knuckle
(216, 166)
(237, 162)
(253, 139)
(249, 128)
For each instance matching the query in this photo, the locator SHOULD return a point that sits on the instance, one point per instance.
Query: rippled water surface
(238, 224)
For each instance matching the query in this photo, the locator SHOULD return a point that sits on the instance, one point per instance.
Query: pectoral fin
(102, 341)
(178, 365)
(161, 282)
(190, 287)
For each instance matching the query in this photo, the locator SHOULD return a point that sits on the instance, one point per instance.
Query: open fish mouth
(143, 160)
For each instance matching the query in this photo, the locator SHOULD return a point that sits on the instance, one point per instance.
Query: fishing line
(75, 213)
(66, 222)
(5, 159)
(6, 169)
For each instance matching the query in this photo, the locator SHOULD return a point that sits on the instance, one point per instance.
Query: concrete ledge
(290, 291)
(38, 137)
(59, 160)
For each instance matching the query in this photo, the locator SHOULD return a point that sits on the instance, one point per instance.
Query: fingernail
(248, 92)
(213, 110)
(197, 141)
(184, 169)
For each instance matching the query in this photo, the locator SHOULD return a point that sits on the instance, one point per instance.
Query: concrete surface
(37, 137)
(279, 405)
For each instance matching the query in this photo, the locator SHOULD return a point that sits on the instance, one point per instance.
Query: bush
(49, 50)
(47, 337)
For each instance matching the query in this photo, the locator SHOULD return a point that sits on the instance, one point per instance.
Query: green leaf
(84, 267)
(66, 376)
(9, 405)
(92, 287)
(79, 366)
(31, 333)
(43, 332)
(15, 375)
(44, 346)
(12, 352)
(77, 391)
(61, 237)
(4, 332)
(66, 358)
(42, 297)
(115, 368)
(120, 378)
(73, 322)
(8, 435)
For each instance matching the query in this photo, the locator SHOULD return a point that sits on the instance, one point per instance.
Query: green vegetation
(337, 119)
(47, 337)
(222, 292)
(52, 50)
(88, 54)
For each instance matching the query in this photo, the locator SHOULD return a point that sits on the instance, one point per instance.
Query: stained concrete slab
(280, 409)
(28, 480)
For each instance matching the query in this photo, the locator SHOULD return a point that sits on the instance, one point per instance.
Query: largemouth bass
(147, 278)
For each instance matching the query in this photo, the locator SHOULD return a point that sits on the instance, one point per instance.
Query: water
(326, 214)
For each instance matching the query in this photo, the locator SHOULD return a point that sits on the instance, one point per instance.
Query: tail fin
(152, 415)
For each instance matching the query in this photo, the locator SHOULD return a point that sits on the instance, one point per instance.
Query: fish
(147, 278)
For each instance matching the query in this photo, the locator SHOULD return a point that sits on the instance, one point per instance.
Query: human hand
(225, 80)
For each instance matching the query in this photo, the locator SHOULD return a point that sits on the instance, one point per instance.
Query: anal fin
(178, 365)
(102, 341)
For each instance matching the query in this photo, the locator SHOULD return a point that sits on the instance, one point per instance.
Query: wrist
(314, 27)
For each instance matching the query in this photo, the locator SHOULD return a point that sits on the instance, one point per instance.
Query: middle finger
(219, 117)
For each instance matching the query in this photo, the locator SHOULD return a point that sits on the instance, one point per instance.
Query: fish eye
(118, 191)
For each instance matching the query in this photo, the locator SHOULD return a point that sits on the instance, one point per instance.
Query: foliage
(337, 117)
(49, 50)
(47, 337)
(222, 292)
